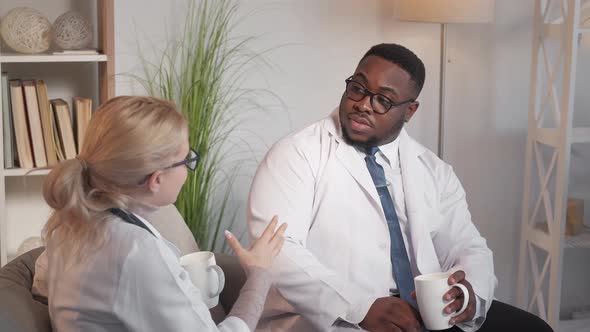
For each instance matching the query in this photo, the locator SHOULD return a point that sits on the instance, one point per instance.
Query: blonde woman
(108, 269)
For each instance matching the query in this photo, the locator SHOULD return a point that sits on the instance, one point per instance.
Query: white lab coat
(134, 282)
(335, 261)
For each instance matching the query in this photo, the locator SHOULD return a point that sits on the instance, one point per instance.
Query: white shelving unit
(25, 172)
(42, 58)
(557, 34)
(61, 72)
(578, 241)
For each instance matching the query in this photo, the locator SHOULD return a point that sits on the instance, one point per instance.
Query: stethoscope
(130, 218)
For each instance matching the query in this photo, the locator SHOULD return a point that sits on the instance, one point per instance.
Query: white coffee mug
(205, 275)
(430, 289)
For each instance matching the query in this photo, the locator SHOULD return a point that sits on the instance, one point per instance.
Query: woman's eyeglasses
(191, 161)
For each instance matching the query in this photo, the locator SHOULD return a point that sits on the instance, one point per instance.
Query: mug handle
(465, 301)
(220, 278)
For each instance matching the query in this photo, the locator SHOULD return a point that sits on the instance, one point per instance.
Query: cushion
(168, 221)
(19, 311)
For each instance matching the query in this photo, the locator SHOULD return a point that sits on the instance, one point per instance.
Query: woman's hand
(264, 250)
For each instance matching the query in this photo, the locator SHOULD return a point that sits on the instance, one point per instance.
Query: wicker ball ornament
(29, 244)
(26, 30)
(72, 31)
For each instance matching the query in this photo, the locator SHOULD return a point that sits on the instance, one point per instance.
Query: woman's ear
(154, 181)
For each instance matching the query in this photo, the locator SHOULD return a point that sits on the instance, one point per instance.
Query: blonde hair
(127, 139)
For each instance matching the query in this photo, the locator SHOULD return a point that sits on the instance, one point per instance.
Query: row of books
(39, 132)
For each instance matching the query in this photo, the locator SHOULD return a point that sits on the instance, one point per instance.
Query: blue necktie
(399, 256)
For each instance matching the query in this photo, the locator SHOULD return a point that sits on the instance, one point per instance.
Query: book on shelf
(35, 131)
(21, 131)
(55, 135)
(64, 126)
(46, 122)
(82, 113)
(7, 127)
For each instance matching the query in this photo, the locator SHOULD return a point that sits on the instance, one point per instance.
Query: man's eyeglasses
(380, 104)
(191, 161)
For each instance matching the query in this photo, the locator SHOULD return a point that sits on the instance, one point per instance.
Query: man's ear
(411, 110)
(154, 181)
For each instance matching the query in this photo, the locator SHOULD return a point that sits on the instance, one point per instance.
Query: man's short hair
(404, 58)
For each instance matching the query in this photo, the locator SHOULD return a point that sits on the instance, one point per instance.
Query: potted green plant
(201, 73)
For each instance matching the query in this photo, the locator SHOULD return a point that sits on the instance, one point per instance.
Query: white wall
(486, 120)
(316, 44)
(312, 47)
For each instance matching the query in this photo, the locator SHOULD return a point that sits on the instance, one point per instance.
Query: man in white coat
(349, 259)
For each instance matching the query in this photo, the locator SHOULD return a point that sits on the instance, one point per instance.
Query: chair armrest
(235, 277)
(19, 311)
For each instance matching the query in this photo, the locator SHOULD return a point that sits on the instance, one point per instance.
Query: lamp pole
(441, 100)
(444, 12)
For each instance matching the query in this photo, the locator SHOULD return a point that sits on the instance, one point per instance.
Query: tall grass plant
(202, 72)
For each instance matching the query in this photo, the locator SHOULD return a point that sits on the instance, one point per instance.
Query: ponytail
(127, 139)
(66, 191)
(64, 187)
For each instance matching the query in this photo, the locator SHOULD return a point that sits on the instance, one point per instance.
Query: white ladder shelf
(557, 30)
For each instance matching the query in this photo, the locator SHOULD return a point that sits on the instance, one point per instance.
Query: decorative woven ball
(72, 31)
(26, 30)
(29, 244)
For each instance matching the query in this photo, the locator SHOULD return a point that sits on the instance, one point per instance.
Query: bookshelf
(23, 211)
(25, 172)
(41, 58)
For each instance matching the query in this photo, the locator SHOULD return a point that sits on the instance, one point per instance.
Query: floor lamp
(444, 12)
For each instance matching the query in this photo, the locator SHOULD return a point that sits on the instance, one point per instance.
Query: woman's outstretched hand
(264, 250)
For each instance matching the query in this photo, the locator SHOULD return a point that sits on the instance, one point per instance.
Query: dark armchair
(20, 311)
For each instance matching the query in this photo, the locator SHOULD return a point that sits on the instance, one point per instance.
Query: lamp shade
(446, 11)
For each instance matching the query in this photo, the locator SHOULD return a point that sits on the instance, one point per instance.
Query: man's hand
(457, 295)
(391, 314)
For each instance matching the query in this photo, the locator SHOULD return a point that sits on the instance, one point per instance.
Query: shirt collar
(391, 151)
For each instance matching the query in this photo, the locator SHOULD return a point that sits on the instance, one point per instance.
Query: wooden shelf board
(24, 171)
(552, 31)
(35, 58)
(550, 136)
(547, 136)
(581, 240)
(538, 236)
(580, 135)
(574, 325)
(541, 238)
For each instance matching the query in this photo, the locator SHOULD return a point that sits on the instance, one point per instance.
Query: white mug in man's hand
(430, 289)
(205, 275)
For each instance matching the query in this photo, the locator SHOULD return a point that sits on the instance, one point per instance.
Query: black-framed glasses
(191, 161)
(380, 104)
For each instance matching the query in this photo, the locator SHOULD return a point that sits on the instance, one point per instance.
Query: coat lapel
(419, 208)
(351, 160)
(412, 173)
(355, 165)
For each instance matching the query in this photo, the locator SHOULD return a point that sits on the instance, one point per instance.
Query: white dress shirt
(133, 282)
(388, 158)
